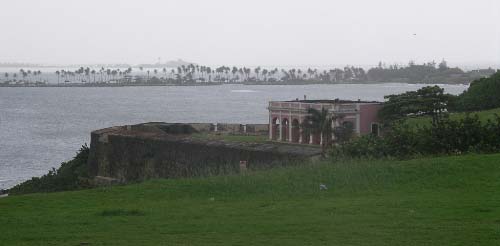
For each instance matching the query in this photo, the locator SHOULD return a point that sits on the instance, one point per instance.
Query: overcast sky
(253, 32)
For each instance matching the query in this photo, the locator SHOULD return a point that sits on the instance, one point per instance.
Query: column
(300, 133)
(358, 120)
(281, 130)
(270, 127)
(334, 124)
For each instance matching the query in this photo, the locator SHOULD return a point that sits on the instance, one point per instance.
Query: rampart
(167, 150)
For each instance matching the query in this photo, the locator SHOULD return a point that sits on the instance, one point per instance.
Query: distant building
(286, 118)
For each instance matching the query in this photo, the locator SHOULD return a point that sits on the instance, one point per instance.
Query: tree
(482, 94)
(429, 100)
(257, 72)
(58, 73)
(443, 66)
(320, 122)
(344, 132)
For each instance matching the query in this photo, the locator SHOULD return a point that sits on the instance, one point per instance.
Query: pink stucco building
(286, 117)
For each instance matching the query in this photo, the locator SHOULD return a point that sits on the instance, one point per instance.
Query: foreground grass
(483, 117)
(434, 201)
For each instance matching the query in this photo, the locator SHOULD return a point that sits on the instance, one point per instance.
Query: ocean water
(42, 127)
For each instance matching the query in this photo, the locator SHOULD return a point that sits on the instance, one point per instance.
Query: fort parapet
(168, 150)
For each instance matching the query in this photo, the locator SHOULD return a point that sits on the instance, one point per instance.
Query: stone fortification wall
(133, 153)
(224, 128)
(259, 129)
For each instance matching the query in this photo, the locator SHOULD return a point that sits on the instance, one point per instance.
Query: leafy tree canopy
(429, 100)
(482, 94)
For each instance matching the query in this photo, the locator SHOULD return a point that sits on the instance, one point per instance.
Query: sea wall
(134, 153)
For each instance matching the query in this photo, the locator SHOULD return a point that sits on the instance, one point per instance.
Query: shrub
(443, 137)
(71, 175)
(482, 94)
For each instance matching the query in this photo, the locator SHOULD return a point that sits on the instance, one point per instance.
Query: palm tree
(6, 76)
(264, 73)
(209, 72)
(320, 122)
(58, 75)
(257, 71)
(87, 74)
(29, 76)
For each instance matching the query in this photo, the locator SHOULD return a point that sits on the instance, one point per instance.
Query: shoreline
(108, 85)
(219, 83)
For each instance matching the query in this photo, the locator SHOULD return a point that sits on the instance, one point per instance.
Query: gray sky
(253, 32)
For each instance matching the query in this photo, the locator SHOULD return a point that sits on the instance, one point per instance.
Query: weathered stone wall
(255, 129)
(260, 129)
(230, 128)
(135, 153)
(203, 127)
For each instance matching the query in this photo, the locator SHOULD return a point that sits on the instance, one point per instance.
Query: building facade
(286, 118)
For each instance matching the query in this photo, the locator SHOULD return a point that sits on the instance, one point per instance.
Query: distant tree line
(27, 76)
(429, 72)
(412, 73)
(88, 75)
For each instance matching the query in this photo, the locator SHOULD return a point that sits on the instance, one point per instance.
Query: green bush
(482, 94)
(72, 175)
(443, 137)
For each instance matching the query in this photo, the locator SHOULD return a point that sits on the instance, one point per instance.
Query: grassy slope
(435, 201)
(483, 116)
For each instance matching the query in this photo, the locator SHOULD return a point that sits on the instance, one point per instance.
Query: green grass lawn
(483, 116)
(232, 138)
(244, 139)
(432, 201)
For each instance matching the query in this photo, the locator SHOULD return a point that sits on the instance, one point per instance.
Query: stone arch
(285, 128)
(295, 131)
(316, 138)
(375, 129)
(275, 124)
(348, 124)
(305, 135)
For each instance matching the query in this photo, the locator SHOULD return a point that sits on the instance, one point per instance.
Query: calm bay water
(42, 127)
